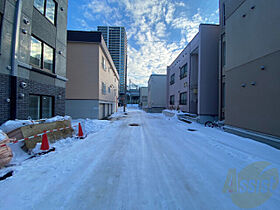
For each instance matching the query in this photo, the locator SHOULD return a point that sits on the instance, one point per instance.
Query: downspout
(14, 57)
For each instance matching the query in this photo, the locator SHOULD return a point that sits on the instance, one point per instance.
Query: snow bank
(58, 118)
(14, 124)
(90, 125)
(2, 135)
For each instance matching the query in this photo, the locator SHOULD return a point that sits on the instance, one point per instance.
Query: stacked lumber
(6, 153)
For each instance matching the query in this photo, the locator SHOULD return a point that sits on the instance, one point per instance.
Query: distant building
(249, 68)
(32, 58)
(116, 41)
(192, 78)
(156, 93)
(133, 96)
(143, 98)
(92, 89)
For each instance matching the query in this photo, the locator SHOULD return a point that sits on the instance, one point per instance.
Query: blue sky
(157, 30)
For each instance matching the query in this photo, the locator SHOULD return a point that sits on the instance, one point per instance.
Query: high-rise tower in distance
(116, 41)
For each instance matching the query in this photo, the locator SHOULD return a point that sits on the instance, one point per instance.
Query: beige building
(92, 89)
(249, 68)
(143, 97)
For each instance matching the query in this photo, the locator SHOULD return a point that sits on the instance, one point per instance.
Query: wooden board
(6, 153)
(31, 130)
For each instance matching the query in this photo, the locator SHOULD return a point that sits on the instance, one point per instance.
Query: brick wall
(22, 104)
(4, 94)
(37, 88)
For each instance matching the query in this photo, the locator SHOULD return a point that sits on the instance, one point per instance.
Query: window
(41, 55)
(172, 99)
(103, 63)
(172, 79)
(40, 106)
(109, 90)
(47, 8)
(183, 71)
(103, 88)
(183, 98)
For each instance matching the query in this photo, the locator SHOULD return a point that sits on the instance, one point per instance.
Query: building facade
(192, 78)
(32, 59)
(156, 93)
(249, 67)
(116, 41)
(143, 97)
(133, 96)
(92, 89)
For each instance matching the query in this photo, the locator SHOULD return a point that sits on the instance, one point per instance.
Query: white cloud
(148, 23)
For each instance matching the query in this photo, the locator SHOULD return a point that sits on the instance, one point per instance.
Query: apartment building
(192, 78)
(143, 99)
(249, 68)
(116, 41)
(32, 58)
(92, 89)
(156, 93)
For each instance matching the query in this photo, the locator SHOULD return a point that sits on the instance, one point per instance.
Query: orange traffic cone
(45, 142)
(81, 133)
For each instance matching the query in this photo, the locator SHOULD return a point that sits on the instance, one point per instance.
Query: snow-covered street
(159, 164)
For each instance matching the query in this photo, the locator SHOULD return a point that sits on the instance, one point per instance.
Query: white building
(156, 93)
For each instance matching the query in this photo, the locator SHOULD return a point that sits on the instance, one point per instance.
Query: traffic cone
(81, 133)
(45, 142)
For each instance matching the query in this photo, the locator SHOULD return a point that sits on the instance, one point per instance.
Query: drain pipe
(14, 61)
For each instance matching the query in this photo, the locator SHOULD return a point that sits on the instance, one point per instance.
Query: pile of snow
(14, 124)
(89, 125)
(2, 135)
(57, 118)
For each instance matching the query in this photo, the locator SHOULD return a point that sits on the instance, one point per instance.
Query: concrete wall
(208, 70)
(82, 108)
(252, 40)
(143, 93)
(157, 91)
(82, 71)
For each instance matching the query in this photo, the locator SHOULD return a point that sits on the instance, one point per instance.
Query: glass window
(36, 52)
(47, 106)
(183, 98)
(50, 10)
(39, 4)
(48, 57)
(183, 71)
(34, 107)
(172, 100)
(172, 79)
(40, 106)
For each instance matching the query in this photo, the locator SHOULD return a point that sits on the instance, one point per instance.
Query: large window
(40, 106)
(172, 99)
(183, 71)
(41, 55)
(183, 98)
(47, 8)
(172, 79)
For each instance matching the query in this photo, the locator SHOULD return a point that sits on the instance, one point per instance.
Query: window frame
(184, 71)
(172, 79)
(45, 11)
(172, 100)
(183, 102)
(41, 104)
(41, 67)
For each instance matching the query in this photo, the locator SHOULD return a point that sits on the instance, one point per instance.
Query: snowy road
(157, 165)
